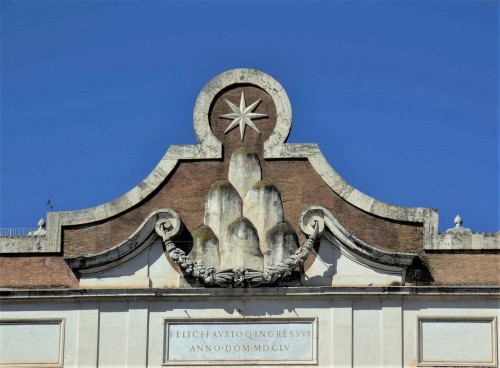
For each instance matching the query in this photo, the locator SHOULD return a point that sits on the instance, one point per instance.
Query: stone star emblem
(242, 115)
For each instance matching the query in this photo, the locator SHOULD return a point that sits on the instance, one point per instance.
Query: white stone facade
(371, 327)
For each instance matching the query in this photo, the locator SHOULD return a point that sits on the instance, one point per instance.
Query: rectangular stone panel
(457, 342)
(113, 334)
(36, 343)
(367, 333)
(240, 341)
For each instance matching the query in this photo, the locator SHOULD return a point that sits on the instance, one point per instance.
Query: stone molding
(24, 244)
(142, 238)
(325, 219)
(467, 240)
(438, 292)
(460, 238)
(33, 242)
(274, 148)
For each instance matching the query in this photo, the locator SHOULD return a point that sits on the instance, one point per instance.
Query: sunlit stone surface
(223, 206)
(244, 170)
(263, 207)
(241, 247)
(281, 243)
(205, 247)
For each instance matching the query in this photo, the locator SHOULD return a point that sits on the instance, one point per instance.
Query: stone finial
(41, 229)
(458, 230)
(461, 238)
(41, 224)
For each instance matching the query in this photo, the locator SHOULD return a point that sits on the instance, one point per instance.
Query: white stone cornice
(304, 293)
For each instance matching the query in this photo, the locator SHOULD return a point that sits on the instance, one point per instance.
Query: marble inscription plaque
(240, 341)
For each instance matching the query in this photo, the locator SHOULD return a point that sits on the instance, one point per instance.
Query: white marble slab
(31, 342)
(458, 341)
(240, 341)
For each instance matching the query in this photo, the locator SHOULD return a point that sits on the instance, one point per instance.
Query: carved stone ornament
(242, 115)
(244, 240)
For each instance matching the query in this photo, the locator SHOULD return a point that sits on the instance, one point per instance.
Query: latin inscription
(239, 341)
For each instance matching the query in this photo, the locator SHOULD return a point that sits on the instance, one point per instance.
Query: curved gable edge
(144, 236)
(427, 216)
(274, 148)
(325, 218)
(176, 153)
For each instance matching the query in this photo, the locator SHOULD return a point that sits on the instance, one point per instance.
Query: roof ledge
(460, 238)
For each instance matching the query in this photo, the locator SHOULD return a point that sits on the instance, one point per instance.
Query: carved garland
(241, 277)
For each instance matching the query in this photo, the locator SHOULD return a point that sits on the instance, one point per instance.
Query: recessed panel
(457, 341)
(31, 342)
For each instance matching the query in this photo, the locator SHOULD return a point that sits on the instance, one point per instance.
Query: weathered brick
(36, 272)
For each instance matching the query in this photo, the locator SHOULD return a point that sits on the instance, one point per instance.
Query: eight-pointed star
(242, 115)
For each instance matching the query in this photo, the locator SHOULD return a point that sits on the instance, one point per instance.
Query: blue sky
(402, 97)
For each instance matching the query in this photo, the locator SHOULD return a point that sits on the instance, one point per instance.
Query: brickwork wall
(465, 269)
(300, 187)
(36, 272)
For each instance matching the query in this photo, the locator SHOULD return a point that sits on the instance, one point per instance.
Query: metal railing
(16, 231)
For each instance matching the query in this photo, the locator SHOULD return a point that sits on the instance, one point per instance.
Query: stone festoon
(244, 234)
